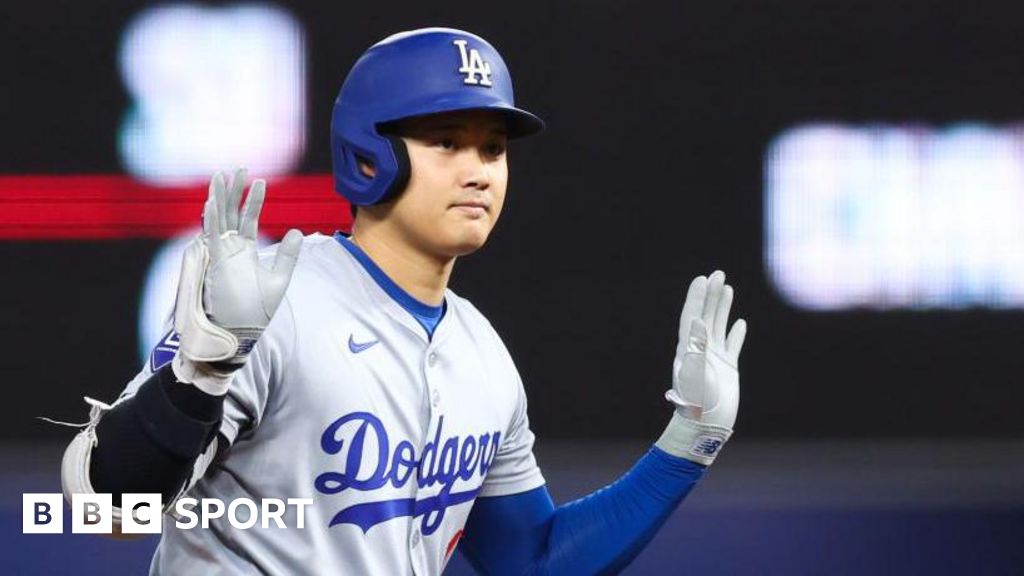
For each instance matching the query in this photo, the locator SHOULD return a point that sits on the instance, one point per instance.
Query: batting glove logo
(707, 446)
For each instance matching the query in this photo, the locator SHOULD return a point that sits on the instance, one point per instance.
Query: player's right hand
(226, 297)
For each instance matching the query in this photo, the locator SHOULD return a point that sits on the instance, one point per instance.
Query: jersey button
(435, 398)
(432, 359)
(415, 538)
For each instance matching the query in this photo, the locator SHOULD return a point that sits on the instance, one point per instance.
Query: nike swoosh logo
(357, 347)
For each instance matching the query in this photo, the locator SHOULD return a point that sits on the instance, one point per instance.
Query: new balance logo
(473, 65)
(357, 347)
(706, 446)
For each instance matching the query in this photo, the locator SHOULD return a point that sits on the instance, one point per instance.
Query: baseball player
(342, 369)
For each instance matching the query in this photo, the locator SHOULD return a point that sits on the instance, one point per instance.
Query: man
(342, 368)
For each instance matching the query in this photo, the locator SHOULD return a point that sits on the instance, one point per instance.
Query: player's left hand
(705, 378)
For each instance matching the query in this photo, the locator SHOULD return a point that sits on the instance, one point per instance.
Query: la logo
(472, 65)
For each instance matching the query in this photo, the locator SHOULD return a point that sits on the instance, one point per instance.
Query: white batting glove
(225, 296)
(705, 379)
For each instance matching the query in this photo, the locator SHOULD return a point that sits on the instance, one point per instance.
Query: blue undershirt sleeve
(598, 534)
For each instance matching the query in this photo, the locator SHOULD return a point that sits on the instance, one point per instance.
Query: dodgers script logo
(441, 462)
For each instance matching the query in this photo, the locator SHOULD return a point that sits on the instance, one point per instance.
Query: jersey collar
(429, 317)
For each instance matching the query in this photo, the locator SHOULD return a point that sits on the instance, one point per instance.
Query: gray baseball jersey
(346, 400)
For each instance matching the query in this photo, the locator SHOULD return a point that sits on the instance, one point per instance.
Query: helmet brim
(522, 123)
(519, 122)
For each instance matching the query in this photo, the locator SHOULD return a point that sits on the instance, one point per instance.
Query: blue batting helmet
(414, 73)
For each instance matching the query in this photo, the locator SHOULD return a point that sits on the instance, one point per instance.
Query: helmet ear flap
(402, 168)
(391, 165)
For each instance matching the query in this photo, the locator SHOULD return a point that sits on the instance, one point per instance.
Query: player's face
(457, 183)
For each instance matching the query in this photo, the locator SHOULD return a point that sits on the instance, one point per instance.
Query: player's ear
(367, 168)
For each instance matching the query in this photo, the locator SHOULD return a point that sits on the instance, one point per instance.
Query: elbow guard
(74, 469)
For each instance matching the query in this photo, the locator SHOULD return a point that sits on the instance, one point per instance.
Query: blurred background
(857, 168)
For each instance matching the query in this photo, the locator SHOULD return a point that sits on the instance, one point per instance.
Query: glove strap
(203, 376)
(693, 440)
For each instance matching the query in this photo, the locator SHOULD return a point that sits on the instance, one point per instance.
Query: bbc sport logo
(93, 513)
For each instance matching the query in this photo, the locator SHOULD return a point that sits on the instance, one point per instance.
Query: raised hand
(226, 297)
(705, 378)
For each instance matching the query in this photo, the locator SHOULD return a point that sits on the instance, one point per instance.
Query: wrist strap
(695, 441)
(205, 376)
